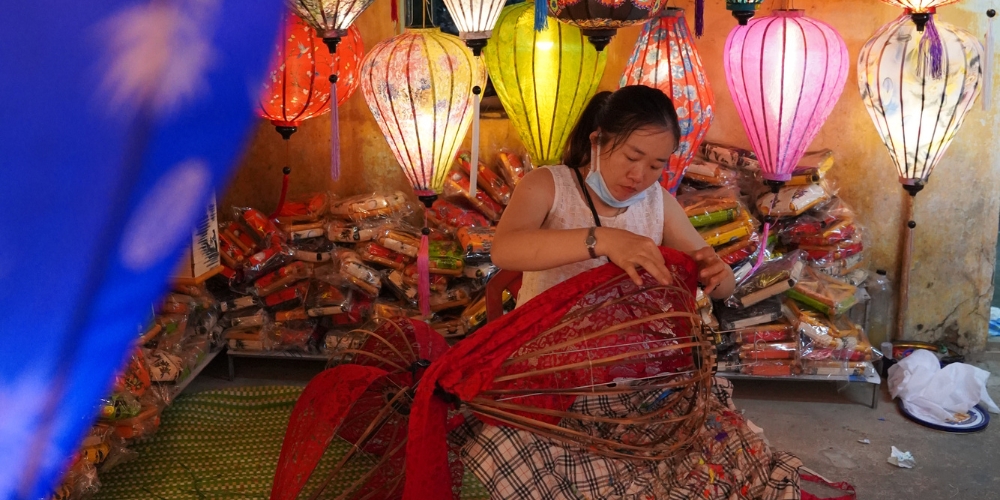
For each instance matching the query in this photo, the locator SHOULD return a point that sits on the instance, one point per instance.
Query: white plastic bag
(935, 394)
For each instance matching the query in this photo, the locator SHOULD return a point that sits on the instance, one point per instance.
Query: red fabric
(842, 486)
(471, 366)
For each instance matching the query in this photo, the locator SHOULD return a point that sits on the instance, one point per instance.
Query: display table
(232, 354)
(869, 376)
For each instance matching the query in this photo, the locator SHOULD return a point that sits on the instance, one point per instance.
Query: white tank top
(570, 211)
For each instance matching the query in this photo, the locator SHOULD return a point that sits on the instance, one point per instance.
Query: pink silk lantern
(666, 58)
(785, 73)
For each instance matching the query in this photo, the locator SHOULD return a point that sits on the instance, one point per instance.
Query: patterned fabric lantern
(920, 10)
(665, 57)
(916, 112)
(916, 115)
(330, 19)
(544, 79)
(419, 85)
(296, 88)
(600, 19)
(743, 10)
(785, 73)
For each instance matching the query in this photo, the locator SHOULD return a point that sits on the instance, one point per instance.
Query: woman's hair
(618, 114)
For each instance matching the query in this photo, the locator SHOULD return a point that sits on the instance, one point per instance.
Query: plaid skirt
(726, 461)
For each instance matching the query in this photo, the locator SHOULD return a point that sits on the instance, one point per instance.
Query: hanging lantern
(785, 73)
(920, 10)
(419, 85)
(916, 112)
(544, 79)
(666, 58)
(331, 19)
(599, 19)
(475, 20)
(743, 10)
(296, 88)
(916, 115)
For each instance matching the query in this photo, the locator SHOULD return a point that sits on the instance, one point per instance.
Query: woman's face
(637, 163)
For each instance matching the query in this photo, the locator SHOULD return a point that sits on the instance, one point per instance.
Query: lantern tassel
(284, 191)
(988, 66)
(541, 14)
(474, 164)
(699, 17)
(334, 131)
(394, 12)
(933, 39)
(424, 273)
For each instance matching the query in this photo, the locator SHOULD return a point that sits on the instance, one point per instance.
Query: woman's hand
(631, 251)
(711, 270)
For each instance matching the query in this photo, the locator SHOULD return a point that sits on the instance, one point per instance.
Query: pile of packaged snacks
(788, 314)
(324, 266)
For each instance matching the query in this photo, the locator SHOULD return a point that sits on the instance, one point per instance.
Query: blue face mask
(596, 182)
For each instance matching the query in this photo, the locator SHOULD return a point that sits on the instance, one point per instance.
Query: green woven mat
(225, 444)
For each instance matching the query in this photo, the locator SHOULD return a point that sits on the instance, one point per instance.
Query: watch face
(591, 241)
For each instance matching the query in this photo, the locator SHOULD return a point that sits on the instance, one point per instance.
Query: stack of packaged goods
(796, 285)
(321, 268)
(175, 342)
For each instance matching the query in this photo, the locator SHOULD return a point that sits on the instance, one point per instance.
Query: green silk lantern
(544, 78)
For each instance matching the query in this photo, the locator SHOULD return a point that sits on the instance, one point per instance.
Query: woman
(558, 225)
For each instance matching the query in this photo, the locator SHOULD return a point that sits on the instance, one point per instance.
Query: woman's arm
(679, 234)
(521, 244)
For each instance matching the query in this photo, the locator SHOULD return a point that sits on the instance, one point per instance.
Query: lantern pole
(906, 259)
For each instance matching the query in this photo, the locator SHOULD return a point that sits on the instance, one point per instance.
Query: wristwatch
(591, 242)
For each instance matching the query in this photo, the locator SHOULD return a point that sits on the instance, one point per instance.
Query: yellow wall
(957, 214)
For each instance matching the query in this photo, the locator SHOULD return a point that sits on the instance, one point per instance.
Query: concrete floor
(821, 423)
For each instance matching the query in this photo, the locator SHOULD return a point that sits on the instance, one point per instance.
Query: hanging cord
(334, 127)
(541, 14)
(474, 166)
(988, 67)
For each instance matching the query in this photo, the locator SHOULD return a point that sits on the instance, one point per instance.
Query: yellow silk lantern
(543, 78)
(419, 87)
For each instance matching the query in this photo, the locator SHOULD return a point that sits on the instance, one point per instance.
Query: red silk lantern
(297, 87)
(666, 58)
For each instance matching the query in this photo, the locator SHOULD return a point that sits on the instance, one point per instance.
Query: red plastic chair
(503, 280)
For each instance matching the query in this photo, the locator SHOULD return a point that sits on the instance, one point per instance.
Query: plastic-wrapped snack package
(338, 345)
(176, 303)
(401, 240)
(728, 361)
(296, 314)
(135, 378)
(511, 167)
(457, 296)
(411, 276)
(486, 178)
(239, 237)
(445, 257)
(773, 278)
(257, 338)
(740, 250)
(781, 331)
(294, 335)
(316, 250)
(771, 368)
(287, 298)
(302, 233)
(476, 243)
(80, 481)
(96, 446)
(384, 309)
(281, 278)
(766, 311)
(812, 168)
(308, 208)
(325, 299)
(456, 187)
(352, 269)
(371, 206)
(837, 251)
(145, 423)
(449, 217)
(262, 228)
(839, 267)
(711, 206)
(730, 156)
(398, 284)
(358, 311)
(119, 406)
(767, 351)
(791, 201)
(244, 318)
(164, 366)
(237, 302)
(374, 253)
(275, 255)
(823, 293)
(343, 231)
(730, 232)
(480, 272)
(710, 174)
(474, 315)
(175, 327)
(825, 338)
(834, 367)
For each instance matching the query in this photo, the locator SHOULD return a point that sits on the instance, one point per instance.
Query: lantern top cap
(788, 13)
(928, 10)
